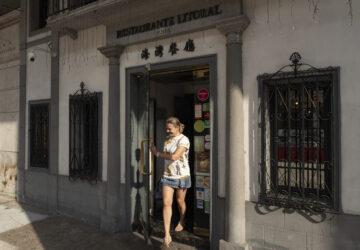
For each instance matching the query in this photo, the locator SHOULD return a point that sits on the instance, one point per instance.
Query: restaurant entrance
(155, 95)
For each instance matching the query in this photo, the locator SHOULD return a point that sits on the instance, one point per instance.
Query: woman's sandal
(166, 243)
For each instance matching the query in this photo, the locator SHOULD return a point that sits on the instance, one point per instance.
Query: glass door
(141, 158)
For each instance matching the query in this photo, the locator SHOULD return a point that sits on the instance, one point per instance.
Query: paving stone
(57, 232)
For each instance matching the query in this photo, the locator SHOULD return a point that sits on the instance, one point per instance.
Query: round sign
(199, 126)
(203, 94)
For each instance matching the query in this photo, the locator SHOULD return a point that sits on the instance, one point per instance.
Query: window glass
(39, 10)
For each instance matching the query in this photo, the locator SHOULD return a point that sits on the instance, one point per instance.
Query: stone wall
(279, 228)
(8, 173)
(9, 101)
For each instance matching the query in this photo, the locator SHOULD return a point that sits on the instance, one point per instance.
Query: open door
(142, 161)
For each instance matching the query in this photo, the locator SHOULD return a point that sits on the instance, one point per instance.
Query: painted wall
(327, 40)
(80, 61)
(9, 107)
(206, 43)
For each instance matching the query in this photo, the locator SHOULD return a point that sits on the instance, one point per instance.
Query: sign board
(203, 94)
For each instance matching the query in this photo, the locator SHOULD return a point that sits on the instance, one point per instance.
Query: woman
(176, 176)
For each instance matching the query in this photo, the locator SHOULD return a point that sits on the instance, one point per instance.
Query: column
(110, 221)
(235, 166)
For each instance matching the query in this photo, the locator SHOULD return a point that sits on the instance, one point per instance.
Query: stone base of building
(224, 245)
(109, 224)
(276, 228)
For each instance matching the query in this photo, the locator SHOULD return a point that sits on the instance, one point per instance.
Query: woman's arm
(172, 157)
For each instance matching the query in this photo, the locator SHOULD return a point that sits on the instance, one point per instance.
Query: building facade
(275, 142)
(9, 96)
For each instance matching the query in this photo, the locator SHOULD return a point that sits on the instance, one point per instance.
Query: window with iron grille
(39, 135)
(85, 135)
(300, 137)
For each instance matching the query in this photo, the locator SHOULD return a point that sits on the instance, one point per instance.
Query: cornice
(10, 18)
(113, 51)
(233, 25)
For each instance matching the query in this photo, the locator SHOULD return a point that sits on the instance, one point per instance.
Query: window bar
(72, 137)
(297, 137)
(97, 139)
(74, 149)
(310, 141)
(276, 143)
(302, 140)
(74, 152)
(318, 143)
(263, 123)
(289, 140)
(296, 146)
(306, 117)
(75, 131)
(82, 136)
(43, 137)
(334, 87)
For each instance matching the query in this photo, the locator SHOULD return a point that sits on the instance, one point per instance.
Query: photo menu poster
(202, 148)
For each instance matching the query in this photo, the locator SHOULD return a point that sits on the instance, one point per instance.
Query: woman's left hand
(153, 149)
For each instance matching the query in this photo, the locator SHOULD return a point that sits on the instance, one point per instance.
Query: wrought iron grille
(299, 137)
(58, 6)
(39, 135)
(84, 135)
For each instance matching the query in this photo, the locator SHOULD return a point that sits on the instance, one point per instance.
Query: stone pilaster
(20, 196)
(53, 185)
(235, 167)
(110, 221)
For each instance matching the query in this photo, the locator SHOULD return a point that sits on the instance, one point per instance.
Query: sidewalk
(26, 227)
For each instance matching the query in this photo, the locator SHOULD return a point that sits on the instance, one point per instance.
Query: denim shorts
(176, 183)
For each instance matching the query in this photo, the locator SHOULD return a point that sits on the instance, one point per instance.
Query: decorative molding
(40, 41)
(10, 18)
(73, 34)
(234, 25)
(113, 51)
(68, 15)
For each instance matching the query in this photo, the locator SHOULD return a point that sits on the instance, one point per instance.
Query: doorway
(154, 94)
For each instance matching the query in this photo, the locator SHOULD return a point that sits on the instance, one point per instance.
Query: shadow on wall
(8, 173)
(294, 227)
(311, 216)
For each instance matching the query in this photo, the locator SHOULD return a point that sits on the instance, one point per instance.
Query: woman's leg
(180, 198)
(167, 193)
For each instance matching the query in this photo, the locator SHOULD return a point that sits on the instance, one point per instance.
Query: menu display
(202, 148)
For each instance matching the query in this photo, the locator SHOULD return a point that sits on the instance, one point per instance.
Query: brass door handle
(142, 157)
